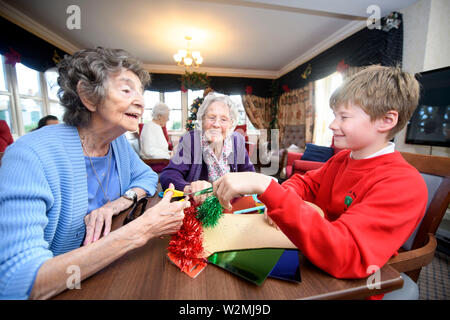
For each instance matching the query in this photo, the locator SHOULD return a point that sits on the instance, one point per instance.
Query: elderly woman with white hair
(204, 155)
(153, 142)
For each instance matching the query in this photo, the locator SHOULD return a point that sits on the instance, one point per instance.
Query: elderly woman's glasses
(137, 210)
(222, 121)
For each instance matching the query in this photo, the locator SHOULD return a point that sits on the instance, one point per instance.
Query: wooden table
(147, 273)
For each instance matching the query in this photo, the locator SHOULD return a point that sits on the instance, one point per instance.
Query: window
(151, 98)
(243, 119)
(5, 110)
(324, 115)
(30, 96)
(27, 95)
(192, 95)
(173, 101)
(5, 97)
(178, 102)
(55, 108)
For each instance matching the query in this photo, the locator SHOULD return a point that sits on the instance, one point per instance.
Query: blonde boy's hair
(377, 90)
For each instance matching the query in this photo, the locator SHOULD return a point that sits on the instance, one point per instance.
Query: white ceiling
(259, 38)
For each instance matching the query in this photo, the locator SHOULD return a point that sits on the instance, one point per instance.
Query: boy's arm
(307, 185)
(367, 234)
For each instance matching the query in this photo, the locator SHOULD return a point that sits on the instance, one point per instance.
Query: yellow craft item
(176, 193)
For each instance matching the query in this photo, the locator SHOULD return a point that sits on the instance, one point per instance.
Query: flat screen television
(430, 123)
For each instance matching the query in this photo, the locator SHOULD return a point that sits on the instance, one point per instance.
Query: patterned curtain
(296, 110)
(257, 110)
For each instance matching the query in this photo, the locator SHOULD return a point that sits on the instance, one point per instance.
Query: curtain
(257, 110)
(226, 85)
(365, 47)
(30, 50)
(296, 110)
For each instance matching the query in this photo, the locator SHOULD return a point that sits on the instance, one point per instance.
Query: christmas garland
(194, 81)
(190, 123)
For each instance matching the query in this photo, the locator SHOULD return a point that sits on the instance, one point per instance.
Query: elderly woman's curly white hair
(213, 97)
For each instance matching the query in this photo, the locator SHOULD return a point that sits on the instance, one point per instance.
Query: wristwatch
(130, 195)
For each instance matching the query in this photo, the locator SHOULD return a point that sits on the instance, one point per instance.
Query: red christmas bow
(12, 57)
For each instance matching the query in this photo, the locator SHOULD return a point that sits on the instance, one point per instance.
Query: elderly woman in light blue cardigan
(61, 185)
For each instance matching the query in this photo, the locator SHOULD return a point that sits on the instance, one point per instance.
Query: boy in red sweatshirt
(371, 197)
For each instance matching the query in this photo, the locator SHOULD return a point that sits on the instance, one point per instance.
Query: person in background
(203, 156)
(47, 120)
(153, 143)
(5, 136)
(61, 185)
(372, 199)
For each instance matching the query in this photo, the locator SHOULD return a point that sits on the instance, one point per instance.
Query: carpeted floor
(434, 279)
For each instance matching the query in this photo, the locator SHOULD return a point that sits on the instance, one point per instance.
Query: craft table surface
(147, 273)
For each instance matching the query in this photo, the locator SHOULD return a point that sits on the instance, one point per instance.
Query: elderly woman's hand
(96, 220)
(198, 186)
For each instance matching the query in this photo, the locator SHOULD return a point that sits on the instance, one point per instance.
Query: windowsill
(182, 132)
(176, 132)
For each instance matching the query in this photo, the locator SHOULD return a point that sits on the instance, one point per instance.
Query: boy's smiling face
(353, 129)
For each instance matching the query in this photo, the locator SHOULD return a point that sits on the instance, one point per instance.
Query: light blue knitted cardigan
(43, 200)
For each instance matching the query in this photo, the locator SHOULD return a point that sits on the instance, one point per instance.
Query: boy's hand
(236, 184)
(267, 218)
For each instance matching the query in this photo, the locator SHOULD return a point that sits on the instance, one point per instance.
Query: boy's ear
(388, 121)
(83, 97)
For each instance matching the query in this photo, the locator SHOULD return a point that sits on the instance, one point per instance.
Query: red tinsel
(187, 245)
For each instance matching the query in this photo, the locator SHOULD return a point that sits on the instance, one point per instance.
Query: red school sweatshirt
(371, 207)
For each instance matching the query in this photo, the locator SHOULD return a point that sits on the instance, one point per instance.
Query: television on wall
(430, 123)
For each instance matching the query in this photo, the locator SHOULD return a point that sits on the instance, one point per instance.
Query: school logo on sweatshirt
(349, 199)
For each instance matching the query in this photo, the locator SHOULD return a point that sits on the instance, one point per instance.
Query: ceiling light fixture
(184, 57)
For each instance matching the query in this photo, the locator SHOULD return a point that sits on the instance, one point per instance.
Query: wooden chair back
(424, 243)
(157, 165)
(437, 166)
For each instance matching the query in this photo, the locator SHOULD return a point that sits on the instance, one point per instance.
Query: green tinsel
(210, 211)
